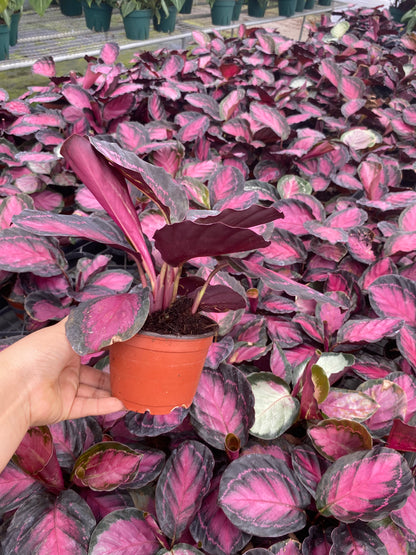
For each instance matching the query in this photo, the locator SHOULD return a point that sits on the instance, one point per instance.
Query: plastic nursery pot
(256, 8)
(396, 14)
(97, 17)
(167, 23)
(137, 24)
(187, 7)
(222, 12)
(287, 7)
(300, 5)
(309, 4)
(4, 42)
(237, 10)
(70, 7)
(14, 28)
(157, 373)
(324, 2)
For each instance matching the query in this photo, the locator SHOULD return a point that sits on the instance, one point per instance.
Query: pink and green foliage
(302, 434)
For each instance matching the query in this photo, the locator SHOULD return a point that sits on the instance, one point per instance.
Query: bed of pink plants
(302, 434)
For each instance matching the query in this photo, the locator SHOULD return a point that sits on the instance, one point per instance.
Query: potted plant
(169, 295)
(410, 19)
(257, 8)
(4, 30)
(136, 17)
(164, 18)
(11, 16)
(221, 11)
(98, 14)
(70, 8)
(398, 8)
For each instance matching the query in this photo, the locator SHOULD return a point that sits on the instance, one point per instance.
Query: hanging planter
(287, 7)
(187, 7)
(167, 22)
(257, 8)
(97, 16)
(14, 28)
(157, 373)
(137, 24)
(237, 10)
(70, 8)
(4, 41)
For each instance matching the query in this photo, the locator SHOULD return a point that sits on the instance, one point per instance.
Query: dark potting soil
(178, 320)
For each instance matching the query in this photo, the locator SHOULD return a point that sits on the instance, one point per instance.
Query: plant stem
(201, 293)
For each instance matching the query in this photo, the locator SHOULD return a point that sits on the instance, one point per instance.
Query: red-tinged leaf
(185, 240)
(370, 366)
(361, 245)
(238, 128)
(308, 467)
(194, 129)
(405, 517)
(391, 535)
(347, 218)
(309, 325)
(49, 137)
(219, 298)
(17, 107)
(154, 182)
(182, 485)
(269, 502)
(22, 252)
(225, 182)
(181, 549)
(351, 107)
(106, 466)
(42, 306)
(368, 330)
(350, 405)
(408, 384)
(155, 107)
(212, 530)
(56, 225)
(347, 181)
(45, 66)
(333, 438)
(151, 464)
(326, 232)
(77, 96)
(223, 404)
(356, 538)
(402, 437)
(118, 281)
(352, 88)
(402, 242)
(372, 178)
(118, 106)
(279, 282)
(285, 331)
(104, 503)
(270, 118)
(50, 525)
(132, 135)
(48, 201)
(113, 318)
(285, 248)
(391, 401)
(394, 297)
(125, 530)
(109, 53)
(365, 485)
(409, 115)
(329, 69)
(406, 343)
(381, 267)
(252, 216)
(295, 214)
(16, 487)
(206, 103)
(290, 185)
(92, 170)
(11, 206)
(230, 103)
(147, 425)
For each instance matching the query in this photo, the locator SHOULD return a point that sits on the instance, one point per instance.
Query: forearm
(13, 417)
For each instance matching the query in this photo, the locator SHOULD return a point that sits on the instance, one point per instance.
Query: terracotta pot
(156, 373)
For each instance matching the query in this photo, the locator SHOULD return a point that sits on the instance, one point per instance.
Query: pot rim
(178, 337)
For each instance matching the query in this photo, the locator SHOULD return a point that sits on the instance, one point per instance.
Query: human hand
(54, 384)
